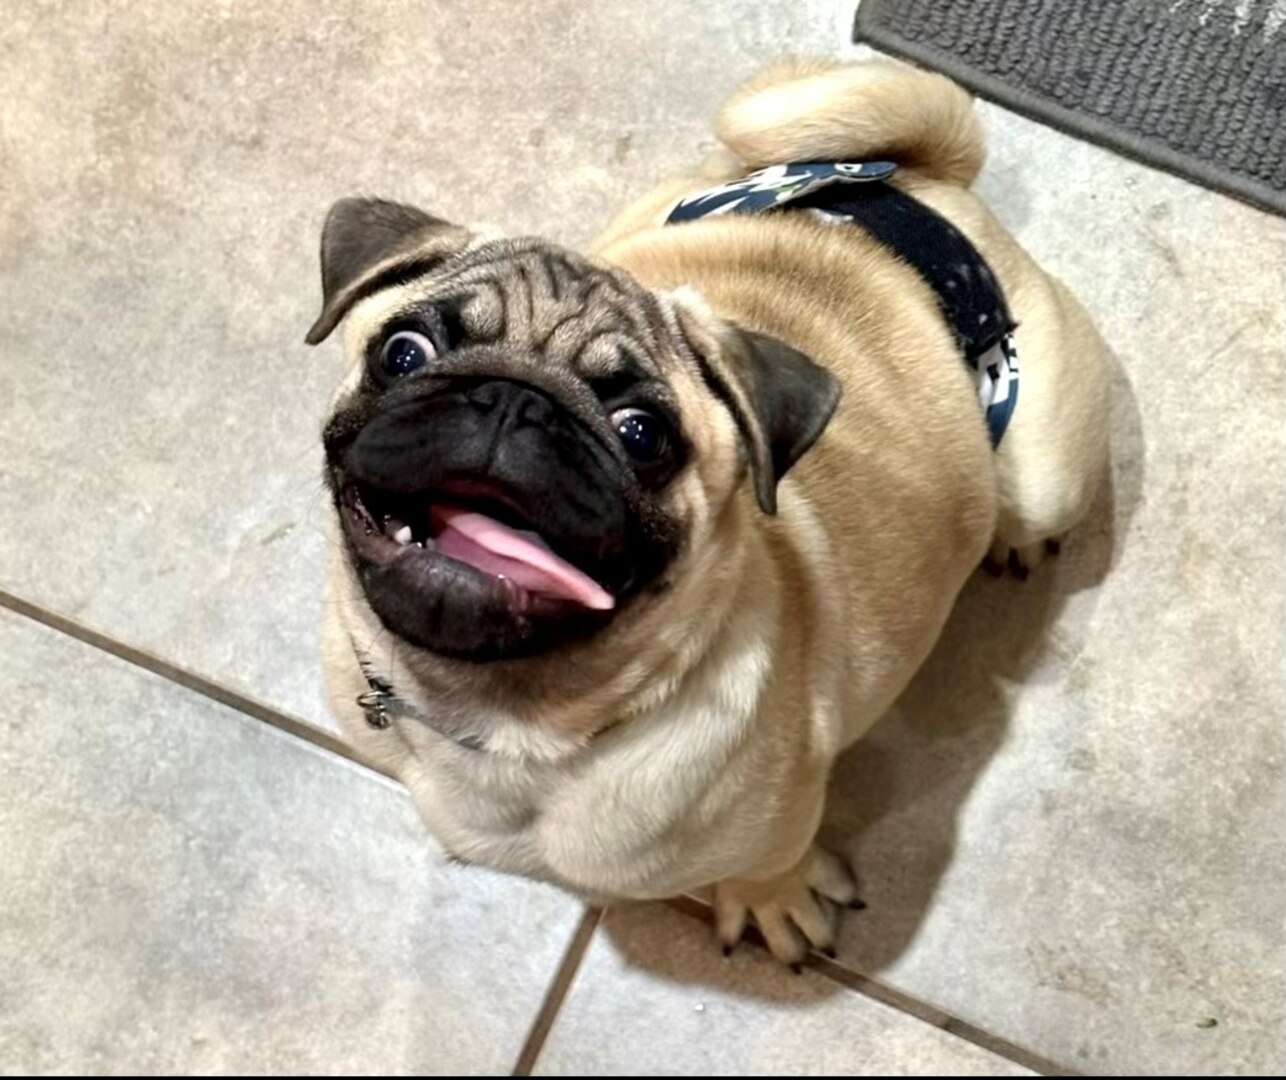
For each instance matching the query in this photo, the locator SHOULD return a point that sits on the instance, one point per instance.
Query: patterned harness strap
(968, 293)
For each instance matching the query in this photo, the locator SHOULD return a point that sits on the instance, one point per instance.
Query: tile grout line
(189, 680)
(589, 921)
(556, 994)
(940, 1018)
(579, 943)
(897, 999)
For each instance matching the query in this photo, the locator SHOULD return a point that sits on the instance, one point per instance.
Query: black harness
(968, 294)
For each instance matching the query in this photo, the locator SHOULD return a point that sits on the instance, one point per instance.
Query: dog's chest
(470, 798)
(520, 816)
(529, 818)
(627, 814)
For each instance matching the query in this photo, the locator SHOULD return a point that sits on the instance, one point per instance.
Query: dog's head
(528, 446)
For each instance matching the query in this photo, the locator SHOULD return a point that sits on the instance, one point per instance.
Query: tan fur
(823, 110)
(782, 639)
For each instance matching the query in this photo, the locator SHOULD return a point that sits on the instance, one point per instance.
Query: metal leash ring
(374, 704)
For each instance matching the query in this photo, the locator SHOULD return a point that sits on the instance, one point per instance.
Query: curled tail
(827, 111)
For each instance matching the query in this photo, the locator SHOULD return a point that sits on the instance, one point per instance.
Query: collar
(380, 704)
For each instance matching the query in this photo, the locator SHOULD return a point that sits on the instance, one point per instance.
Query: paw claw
(792, 911)
(857, 905)
(798, 969)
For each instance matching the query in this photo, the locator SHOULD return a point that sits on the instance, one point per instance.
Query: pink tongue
(497, 549)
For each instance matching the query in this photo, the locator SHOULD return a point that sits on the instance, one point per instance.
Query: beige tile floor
(1072, 827)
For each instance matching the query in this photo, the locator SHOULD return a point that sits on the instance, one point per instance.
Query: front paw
(790, 910)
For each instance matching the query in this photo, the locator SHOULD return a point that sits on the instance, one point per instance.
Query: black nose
(516, 403)
(500, 429)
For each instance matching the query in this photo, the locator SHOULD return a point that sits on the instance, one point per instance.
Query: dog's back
(1056, 449)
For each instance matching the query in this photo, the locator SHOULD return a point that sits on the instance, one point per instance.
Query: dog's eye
(406, 352)
(642, 434)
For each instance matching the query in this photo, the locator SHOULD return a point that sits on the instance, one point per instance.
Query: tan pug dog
(630, 547)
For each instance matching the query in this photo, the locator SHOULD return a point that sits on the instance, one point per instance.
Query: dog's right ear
(780, 399)
(370, 244)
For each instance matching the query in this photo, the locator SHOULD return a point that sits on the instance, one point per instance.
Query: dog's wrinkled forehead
(551, 304)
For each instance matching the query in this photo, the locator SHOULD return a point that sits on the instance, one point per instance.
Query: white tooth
(403, 535)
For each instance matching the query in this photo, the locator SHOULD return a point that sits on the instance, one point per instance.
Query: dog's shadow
(897, 797)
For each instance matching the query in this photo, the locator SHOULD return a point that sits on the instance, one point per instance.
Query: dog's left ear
(370, 244)
(780, 399)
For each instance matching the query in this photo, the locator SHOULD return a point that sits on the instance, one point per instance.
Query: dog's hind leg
(1054, 452)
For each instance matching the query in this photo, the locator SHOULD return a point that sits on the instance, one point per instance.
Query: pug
(630, 545)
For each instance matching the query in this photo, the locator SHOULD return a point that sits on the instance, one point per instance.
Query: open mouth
(466, 531)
